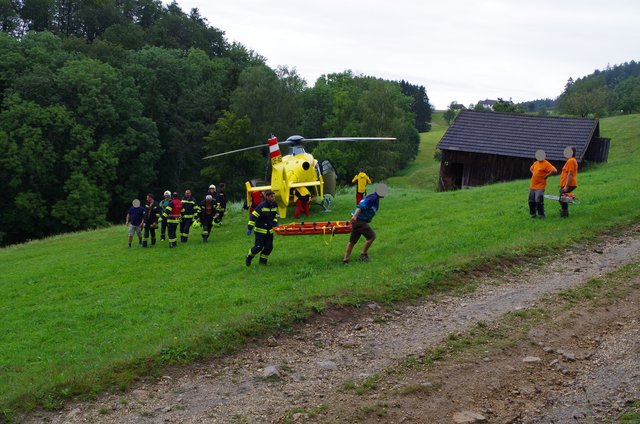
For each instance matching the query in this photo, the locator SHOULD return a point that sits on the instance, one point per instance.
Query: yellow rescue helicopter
(297, 171)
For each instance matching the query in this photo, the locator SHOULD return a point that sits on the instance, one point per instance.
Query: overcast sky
(462, 50)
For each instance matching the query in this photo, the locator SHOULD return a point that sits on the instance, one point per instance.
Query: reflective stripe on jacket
(264, 218)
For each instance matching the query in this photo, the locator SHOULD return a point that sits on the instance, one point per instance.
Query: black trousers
(149, 229)
(207, 222)
(263, 243)
(172, 228)
(185, 226)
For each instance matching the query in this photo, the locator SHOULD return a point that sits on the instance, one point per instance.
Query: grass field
(82, 313)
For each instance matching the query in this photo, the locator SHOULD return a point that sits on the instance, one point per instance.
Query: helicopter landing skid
(326, 203)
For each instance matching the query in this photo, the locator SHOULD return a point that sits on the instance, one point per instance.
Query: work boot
(263, 261)
(540, 209)
(162, 238)
(364, 257)
(247, 260)
(564, 213)
(144, 243)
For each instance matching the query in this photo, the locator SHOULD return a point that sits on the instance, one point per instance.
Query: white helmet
(212, 186)
(167, 193)
(209, 197)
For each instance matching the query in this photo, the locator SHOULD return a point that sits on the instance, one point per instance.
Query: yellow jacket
(362, 179)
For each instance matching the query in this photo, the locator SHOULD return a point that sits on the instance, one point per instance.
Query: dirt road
(490, 356)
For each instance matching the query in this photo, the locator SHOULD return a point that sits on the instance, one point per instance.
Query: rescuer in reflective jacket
(171, 215)
(261, 221)
(163, 222)
(150, 218)
(207, 211)
(222, 205)
(190, 209)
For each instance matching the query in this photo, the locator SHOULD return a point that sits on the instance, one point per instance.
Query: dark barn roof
(518, 135)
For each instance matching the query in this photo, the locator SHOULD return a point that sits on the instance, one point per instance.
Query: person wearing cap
(361, 190)
(360, 223)
(150, 218)
(163, 222)
(541, 169)
(568, 179)
(206, 215)
(190, 209)
(171, 215)
(261, 221)
(134, 220)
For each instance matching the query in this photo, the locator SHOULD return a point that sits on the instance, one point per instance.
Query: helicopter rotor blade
(350, 139)
(299, 140)
(236, 151)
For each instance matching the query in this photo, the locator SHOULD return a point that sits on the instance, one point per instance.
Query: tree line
(102, 101)
(613, 91)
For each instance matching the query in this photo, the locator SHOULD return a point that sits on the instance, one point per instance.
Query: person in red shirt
(302, 197)
(540, 171)
(568, 178)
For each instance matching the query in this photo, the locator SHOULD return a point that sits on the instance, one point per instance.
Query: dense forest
(102, 101)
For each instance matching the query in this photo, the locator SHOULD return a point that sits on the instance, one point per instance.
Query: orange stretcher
(313, 228)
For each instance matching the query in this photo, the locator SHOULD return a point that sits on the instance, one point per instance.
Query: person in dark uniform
(151, 216)
(222, 205)
(171, 215)
(261, 221)
(190, 209)
(207, 212)
(163, 222)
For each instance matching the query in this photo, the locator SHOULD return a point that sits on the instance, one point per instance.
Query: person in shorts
(134, 220)
(360, 223)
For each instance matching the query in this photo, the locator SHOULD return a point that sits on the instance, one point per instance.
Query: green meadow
(82, 313)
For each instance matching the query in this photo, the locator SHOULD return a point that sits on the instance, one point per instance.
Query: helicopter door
(329, 176)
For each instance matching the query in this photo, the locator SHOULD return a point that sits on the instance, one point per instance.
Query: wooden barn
(487, 147)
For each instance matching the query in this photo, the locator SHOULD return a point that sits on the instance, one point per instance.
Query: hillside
(82, 313)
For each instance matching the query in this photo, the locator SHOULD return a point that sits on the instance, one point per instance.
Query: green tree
(585, 96)
(231, 133)
(625, 97)
(273, 105)
(9, 17)
(35, 141)
(507, 106)
(454, 108)
(366, 106)
(106, 103)
(419, 106)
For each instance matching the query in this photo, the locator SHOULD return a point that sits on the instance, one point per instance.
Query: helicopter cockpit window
(296, 150)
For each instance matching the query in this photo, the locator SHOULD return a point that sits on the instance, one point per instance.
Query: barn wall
(464, 169)
(598, 150)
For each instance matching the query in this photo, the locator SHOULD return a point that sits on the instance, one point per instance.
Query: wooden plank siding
(465, 169)
(486, 147)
